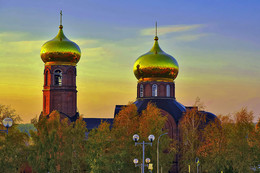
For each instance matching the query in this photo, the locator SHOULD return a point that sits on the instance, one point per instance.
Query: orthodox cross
(156, 28)
(60, 17)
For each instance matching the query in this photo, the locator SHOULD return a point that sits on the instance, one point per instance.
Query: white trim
(154, 90)
(168, 90)
(141, 90)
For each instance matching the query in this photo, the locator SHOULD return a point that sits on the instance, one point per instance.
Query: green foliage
(57, 145)
(13, 150)
(14, 146)
(227, 144)
(114, 150)
(191, 127)
(97, 148)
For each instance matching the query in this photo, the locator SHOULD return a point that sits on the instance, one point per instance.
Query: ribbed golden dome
(60, 51)
(156, 65)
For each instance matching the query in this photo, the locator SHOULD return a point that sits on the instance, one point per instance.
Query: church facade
(154, 70)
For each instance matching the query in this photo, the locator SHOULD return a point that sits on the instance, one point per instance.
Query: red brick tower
(60, 56)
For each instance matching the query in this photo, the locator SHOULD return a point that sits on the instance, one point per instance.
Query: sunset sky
(216, 43)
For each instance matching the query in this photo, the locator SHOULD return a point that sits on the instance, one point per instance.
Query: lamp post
(147, 161)
(197, 161)
(151, 139)
(7, 122)
(158, 142)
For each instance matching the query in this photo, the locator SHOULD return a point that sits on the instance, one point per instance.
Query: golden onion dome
(60, 51)
(156, 65)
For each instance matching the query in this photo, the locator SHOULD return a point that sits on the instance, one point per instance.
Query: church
(154, 70)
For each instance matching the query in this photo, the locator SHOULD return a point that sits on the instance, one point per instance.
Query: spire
(61, 20)
(156, 37)
(156, 28)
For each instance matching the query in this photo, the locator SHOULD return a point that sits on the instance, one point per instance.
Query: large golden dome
(60, 51)
(156, 65)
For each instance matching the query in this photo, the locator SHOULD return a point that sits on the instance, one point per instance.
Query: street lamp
(197, 161)
(135, 161)
(7, 122)
(158, 142)
(147, 160)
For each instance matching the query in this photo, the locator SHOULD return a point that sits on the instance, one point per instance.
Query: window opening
(141, 90)
(58, 77)
(154, 90)
(168, 91)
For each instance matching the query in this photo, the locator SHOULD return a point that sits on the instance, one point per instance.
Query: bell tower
(60, 56)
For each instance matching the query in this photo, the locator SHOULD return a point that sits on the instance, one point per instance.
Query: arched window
(168, 91)
(58, 77)
(141, 90)
(154, 90)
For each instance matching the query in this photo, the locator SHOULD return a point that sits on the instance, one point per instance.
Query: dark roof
(95, 122)
(118, 109)
(209, 116)
(72, 119)
(169, 105)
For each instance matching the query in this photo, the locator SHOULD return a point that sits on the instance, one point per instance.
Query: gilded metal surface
(156, 65)
(60, 51)
(155, 79)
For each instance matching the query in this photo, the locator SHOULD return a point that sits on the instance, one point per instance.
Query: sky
(216, 44)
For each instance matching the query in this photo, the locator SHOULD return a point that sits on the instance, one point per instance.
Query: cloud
(12, 36)
(169, 29)
(190, 37)
(21, 46)
(96, 54)
(84, 42)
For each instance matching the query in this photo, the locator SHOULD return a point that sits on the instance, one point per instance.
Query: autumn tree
(13, 147)
(129, 122)
(191, 127)
(112, 149)
(258, 125)
(58, 146)
(125, 125)
(13, 150)
(97, 149)
(153, 122)
(213, 147)
(254, 142)
(240, 154)
(233, 145)
(7, 111)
